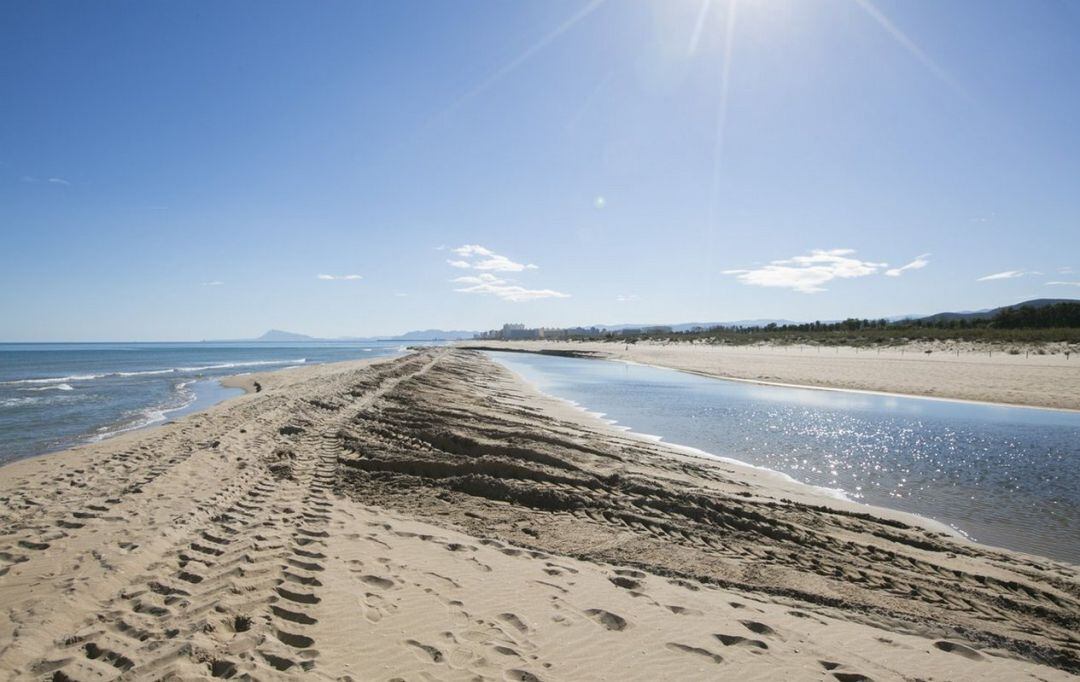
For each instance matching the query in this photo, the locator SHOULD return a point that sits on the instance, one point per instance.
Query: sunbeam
(529, 52)
(909, 45)
(721, 113)
(699, 24)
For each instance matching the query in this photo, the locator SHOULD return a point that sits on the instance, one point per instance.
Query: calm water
(1005, 476)
(53, 396)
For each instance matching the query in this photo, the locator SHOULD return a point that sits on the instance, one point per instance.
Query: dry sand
(431, 517)
(978, 373)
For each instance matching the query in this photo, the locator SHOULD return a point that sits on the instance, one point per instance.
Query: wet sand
(433, 517)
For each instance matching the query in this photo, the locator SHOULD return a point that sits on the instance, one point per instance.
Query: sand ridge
(431, 517)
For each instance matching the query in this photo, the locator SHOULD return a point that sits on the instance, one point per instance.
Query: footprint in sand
(377, 581)
(736, 640)
(515, 621)
(697, 651)
(684, 610)
(426, 651)
(959, 650)
(758, 628)
(608, 619)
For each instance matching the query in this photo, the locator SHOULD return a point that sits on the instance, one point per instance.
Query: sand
(976, 373)
(432, 517)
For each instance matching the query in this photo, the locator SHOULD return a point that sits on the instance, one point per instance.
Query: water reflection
(1006, 476)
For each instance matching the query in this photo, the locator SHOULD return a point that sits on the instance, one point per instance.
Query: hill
(992, 312)
(279, 335)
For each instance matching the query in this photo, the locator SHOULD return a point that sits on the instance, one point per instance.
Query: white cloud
(59, 181)
(339, 277)
(626, 298)
(1065, 270)
(1008, 274)
(1063, 284)
(807, 274)
(489, 284)
(476, 257)
(917, 264)
(215, 283)
(400, 294)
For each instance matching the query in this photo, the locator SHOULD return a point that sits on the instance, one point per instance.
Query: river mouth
(1004, 476)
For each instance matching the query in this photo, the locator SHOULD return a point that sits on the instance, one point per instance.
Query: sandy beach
(973, 372)
(434, 517)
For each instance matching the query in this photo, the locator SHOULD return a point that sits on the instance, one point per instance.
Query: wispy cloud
(339, 277)
(52, 181)
(808, 274)
(1065, 270)
(476, 257)
(1063, 284)
(486, 283)
(627, 298)
(919, 263)
(400, 294)
(1007, 274)
(215, 283)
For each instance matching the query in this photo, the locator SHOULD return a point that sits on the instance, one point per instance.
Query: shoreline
(857, 391)
(833, 494)
(973, 524)
(1056, 390)
(433, 514)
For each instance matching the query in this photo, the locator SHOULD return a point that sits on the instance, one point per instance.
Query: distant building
(519, 332)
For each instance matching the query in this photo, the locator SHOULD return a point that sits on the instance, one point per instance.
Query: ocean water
(57, 395)
(1005, 476)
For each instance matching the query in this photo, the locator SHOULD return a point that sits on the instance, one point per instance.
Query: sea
(54, 396)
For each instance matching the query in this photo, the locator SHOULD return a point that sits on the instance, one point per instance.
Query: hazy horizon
(347, 169)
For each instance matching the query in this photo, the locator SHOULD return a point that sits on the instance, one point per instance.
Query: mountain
(278, 335)
(991, 312)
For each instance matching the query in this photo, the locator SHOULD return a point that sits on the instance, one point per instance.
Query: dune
(433, 517)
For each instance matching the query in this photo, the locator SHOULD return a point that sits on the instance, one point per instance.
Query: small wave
(38, 402)
(203, 368)
(149, 416)
(150, 372)
(57, 387)
(53, 380)
(16, 402)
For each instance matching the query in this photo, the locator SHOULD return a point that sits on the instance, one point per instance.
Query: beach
(432, 516)
(975, 372)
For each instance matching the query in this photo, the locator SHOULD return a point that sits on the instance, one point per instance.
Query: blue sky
(174, 171)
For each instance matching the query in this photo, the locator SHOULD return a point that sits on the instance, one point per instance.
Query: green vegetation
(1057, 323)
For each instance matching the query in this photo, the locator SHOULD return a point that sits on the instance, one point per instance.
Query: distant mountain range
(279, 336)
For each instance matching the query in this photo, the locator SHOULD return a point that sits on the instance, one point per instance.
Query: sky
(201, 170)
